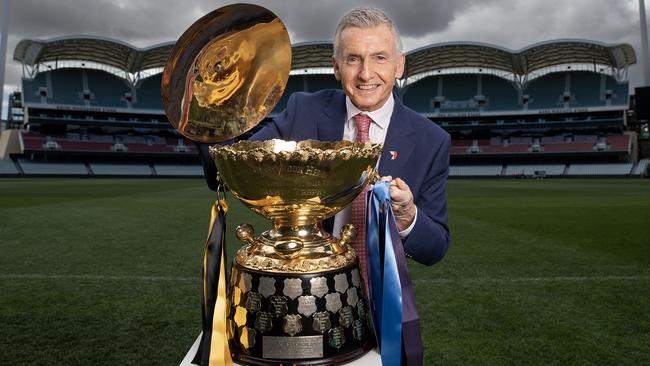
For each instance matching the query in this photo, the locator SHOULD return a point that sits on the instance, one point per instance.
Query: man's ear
(400, 67)
(337, 71)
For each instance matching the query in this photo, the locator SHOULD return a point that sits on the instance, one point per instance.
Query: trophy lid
(226, 73)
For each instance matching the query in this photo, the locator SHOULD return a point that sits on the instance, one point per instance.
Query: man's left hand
(401, 202)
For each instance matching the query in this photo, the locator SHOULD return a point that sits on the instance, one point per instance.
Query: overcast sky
(508, 23)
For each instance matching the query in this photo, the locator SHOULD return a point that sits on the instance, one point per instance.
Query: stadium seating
(31, 88)
(475, 170)
(320, 82)
(600, 169)
(107, 89)
(294, 84)
(420, 95)
(52, 168)
(530, 169)
(101, 169)
(500, 94)
(148, 93)
(585, 88)
(7, 167)
(175, 170)
(641, 167)
(546, 91)
(619, 91)
(67, 85)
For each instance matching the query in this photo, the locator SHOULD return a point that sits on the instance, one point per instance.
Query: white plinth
(372, 358)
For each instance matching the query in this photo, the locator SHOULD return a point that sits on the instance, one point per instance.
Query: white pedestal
(372, 358)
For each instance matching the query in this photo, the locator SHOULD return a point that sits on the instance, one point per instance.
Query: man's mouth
(368, 86)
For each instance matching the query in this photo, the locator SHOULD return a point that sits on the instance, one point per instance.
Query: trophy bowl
(295, 291)
(296, 185)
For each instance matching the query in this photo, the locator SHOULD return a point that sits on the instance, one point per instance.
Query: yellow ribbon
(219, 349)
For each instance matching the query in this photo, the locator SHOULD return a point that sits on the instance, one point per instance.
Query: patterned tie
(362, 123)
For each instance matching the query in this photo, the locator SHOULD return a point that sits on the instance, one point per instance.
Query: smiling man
(367, 60)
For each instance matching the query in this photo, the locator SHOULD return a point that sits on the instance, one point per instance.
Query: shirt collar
(380, 116)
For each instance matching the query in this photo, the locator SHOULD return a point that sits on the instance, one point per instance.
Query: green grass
(539, 272)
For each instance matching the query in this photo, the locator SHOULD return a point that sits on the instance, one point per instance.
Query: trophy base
(299, 319)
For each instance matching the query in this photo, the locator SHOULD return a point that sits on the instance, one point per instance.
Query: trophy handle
(373, 177)
(348, 233)
(244, 233)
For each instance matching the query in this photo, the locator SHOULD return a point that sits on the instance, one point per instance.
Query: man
(367, 60)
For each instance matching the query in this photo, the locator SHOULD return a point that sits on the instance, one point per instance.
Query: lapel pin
(393, 155)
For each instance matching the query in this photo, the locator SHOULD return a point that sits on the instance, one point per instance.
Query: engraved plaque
(263, 322)
(306, 305)
(318, 286)
(358, 330)
(292, 347)
(356, 281)
(245, 282)
(322, 322)
(253, 302)
(240, 316)
(352, 296)
(267, 286)
(247, 338)
(345, 316)
(236, 296)
(333, 302)
(292, 324)
(292, 287)
(341, 282)
(336, 337)
(361, 309)
(278, 306)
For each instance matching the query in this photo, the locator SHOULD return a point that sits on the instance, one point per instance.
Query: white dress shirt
(377, 134)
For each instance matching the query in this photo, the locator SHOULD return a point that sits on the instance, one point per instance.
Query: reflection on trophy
(295, 294)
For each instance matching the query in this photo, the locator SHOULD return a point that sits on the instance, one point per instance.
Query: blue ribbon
(386, 291)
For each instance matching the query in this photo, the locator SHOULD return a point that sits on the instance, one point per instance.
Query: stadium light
(644, 43)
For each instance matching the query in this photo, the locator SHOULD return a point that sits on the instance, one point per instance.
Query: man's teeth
(366, 87)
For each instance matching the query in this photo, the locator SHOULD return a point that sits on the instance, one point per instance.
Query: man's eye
(353, 60)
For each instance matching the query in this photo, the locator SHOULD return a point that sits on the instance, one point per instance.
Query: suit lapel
(331, 122)
(397, 148)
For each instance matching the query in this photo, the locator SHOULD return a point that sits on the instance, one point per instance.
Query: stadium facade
(91, 106)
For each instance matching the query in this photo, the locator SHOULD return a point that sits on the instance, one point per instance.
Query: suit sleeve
(428, 241)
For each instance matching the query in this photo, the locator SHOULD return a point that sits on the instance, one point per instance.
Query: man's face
(368, 66)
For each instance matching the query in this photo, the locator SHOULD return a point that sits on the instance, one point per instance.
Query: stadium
(91, 106)
(540, 271)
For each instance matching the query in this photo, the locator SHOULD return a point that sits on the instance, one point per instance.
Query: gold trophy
(295, 294)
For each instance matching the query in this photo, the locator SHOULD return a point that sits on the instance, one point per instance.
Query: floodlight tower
(4, 22)
(644, 44)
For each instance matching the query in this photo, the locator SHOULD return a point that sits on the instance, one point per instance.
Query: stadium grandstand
(91, 106)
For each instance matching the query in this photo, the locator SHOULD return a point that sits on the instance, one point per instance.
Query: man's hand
(401, 202)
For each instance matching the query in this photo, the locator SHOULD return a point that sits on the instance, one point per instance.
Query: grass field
(106, 272)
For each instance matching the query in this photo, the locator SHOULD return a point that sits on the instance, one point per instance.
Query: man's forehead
(377, 38)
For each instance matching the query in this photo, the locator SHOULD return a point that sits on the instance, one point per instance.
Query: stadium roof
(311, 55)
(315, 55)
(101, 50)
(521, 62)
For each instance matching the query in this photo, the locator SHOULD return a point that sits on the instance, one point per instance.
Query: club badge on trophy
(294, 294)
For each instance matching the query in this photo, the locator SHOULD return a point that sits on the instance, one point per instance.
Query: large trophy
(295, 294)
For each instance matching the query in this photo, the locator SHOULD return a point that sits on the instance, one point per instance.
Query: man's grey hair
(365, 17)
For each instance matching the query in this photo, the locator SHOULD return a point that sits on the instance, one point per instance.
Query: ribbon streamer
(394, 312)
(213, 348)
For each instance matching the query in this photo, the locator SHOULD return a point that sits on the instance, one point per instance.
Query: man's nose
(365, 71)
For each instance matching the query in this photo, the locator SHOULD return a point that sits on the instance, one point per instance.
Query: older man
(367, 60)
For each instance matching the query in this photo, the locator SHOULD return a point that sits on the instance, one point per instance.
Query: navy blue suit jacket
(422, 159)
